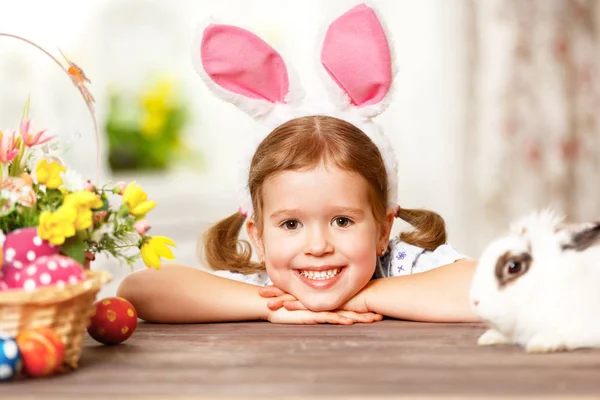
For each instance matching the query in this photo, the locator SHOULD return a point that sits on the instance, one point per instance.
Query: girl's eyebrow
(349, 210)
(334, 210)
(283, 212)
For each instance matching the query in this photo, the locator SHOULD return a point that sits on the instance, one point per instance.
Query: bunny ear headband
(242, 69)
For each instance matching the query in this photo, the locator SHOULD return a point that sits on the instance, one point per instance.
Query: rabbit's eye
(510, 267)
(514, 267)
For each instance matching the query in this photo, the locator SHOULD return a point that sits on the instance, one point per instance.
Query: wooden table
(262, 360)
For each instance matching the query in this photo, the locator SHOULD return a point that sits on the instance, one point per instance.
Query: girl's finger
(361, 317)
(271, 291)
(293, 305)
(365, 318)
(375, 317)
(274, 304)
(326, 317)
(277, 303)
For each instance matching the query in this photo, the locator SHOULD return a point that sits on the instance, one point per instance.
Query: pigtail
(223, 249)
(430, 228)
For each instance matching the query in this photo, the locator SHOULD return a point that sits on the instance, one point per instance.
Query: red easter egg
(51, 270)
(24, 246)
(42, 351)
(113, 322)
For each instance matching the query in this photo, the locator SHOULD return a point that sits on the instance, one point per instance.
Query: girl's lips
(320, 284)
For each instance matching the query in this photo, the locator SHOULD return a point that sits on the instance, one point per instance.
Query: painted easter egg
(10, 358)
(114, 320)
(42, 351)
(23, 246)
(51, 270)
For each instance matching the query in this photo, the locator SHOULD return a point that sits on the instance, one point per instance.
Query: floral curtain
(534, 134)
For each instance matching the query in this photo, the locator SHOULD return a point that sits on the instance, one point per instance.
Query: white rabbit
(539, 286)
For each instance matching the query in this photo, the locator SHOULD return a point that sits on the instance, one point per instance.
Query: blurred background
(495, 110)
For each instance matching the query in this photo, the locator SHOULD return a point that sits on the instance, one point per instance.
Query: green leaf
(75, 248)
(105, 204)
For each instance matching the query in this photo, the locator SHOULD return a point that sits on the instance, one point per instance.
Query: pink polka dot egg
(24, 246)
(50, 270)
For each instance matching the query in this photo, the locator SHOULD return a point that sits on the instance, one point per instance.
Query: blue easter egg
(10, 358)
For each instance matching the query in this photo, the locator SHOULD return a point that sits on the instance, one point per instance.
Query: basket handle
(78, 79)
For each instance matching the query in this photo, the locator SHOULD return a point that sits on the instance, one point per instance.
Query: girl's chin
(320, 301)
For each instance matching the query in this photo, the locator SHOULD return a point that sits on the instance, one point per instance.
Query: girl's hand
(286, 301)
(280, 298)
(306, 317)
(358, 303)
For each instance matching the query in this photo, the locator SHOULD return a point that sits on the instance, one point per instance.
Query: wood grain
(388, 359)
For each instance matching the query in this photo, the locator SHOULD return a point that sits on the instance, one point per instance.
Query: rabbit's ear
(241, 68)
(582, 237)
(357, 57)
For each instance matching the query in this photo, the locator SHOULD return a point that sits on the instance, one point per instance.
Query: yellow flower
(84, 218)
(160, 96)
(153, 124)
(82, 201)
(84, 198)
(155, 248)
(55, 227)
(137, 200)
(48, 173)
(74, 214)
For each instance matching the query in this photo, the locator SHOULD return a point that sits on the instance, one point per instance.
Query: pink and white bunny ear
(241, 68)
(357, 57)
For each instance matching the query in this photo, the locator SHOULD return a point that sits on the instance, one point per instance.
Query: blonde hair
(304, 143)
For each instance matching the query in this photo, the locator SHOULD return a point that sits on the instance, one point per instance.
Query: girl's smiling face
(319, 238)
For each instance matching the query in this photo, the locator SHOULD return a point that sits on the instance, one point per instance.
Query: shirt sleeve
(405, 259)
(443, 255)
(258, 278)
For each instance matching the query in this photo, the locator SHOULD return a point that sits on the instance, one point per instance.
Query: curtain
(532, 137)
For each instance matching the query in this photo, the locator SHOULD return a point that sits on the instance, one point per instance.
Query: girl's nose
(318, 243)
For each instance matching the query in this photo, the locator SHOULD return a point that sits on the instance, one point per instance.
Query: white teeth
(320, 275)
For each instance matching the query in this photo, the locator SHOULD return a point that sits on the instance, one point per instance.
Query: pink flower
(32, 139)
(99, 217)
(142, 227)
(21, 188)
(8, 147)
(89, 186)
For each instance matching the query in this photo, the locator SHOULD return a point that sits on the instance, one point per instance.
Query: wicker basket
(67, 311)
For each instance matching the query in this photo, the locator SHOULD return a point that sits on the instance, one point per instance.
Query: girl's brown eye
(291, 225)
(342, 222)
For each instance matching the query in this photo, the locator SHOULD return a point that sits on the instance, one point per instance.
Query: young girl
(320, 202)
